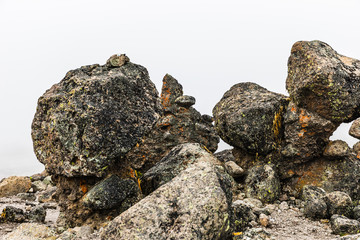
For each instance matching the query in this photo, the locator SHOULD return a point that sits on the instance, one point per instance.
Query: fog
(207, 45)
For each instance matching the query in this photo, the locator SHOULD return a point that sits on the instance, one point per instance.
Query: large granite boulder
(180, 123)
(196, 204)
(94, 116)
(323, 81)
(249, 117)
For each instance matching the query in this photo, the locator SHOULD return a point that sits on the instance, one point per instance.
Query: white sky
(207, 45)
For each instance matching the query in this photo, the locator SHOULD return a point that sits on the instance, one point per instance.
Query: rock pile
(135, 165)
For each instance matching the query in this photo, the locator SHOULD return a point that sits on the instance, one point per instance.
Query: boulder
(356, 149)
(315, 204)
(250, 117)
(37, 214)
(342, 225)
(93, 117)
(338, 174)
(196, 204)
(12, 214)
(339, 203)
(177, 160)
(262, 182)
(323, 81)
(243, 215)
(336, 149)
(355, 129)
(13, 185)
(306, 134)
(180, 123)
(112, 192)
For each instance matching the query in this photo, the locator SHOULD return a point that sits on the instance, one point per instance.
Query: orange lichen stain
(109, 218)
(237, 233)
(303, 119)
(291, 172)
(301, 133)
(83, 186)
(165, 95)
(313, 176)
(358, 155)
(293, 109)
(181, 129)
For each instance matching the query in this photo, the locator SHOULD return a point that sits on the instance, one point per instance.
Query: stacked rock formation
(293, 132)
(101, 127)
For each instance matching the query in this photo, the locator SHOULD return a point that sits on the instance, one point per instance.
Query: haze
(207, 45)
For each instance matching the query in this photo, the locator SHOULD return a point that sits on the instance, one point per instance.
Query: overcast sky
(207, 45)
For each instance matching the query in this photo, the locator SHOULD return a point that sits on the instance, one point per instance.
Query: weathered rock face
(330, 174)
(13, 185)
(339, 203)
(342, 225)
(262, 182)
(315, 204)
(355, 129)
(194, 205)
(94, 116)
(323, 81)
(180, 123)
(112, 192)
(336, 149)
(250, 117)
(306, 134)
(177, 160)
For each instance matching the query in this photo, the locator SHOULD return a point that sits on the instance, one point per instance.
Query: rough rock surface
(306, 134)
(323, 81)
(112, 192)
(339, 203)
(177, 160)
(225, 155)
(194, 205)
(330, 174)
(342, 225)
(92, 117)
(336, 149)
(180, 123)
(233, 169)
(14, 185)
(250, 117)
(31, 231)
(315, 204)
(262, 182)
(355, 129)
(243, 215)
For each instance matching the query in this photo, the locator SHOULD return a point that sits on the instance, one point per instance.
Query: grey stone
(185, 101)
(263, 183)
(315, 205)
(342, 225)
(110, 193)
(178, 159)
(336, 149)
(233, 169)
(37, 214)
(243, 215)
(12, 214)
(194, 205)
(225, 155)
(355, 129)
(356, 212)
(250, 117)
(323, 81)
(339, 203)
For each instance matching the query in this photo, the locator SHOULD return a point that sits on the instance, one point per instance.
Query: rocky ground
(284, 223)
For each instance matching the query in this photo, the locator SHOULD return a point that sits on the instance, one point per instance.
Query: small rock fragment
(339, 203)
(13, 185)
(355, 129)
(342, 225)
(233, 169)
(264, 220)
(336, 149)
(185, 101)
